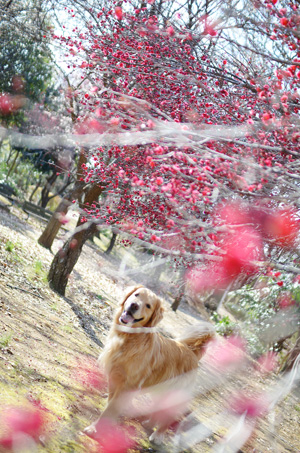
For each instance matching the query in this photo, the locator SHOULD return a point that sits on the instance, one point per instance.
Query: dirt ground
(45, 338)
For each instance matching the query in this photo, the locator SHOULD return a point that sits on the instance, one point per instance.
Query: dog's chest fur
(139, 360)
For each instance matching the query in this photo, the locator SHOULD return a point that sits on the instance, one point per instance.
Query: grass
(5, 340)
(39, 270)
(36, 272)
(9, 246)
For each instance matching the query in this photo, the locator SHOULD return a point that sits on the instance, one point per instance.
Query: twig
(24, 290)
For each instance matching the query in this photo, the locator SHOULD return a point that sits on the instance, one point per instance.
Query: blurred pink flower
(267, 362)
(21, 420)
(226, 353)
(239, 254)
(252, 406)
(114, 438)
(88, 374)
(285, 300)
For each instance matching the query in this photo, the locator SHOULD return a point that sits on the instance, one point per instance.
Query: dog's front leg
(112, 410)
(111, 413)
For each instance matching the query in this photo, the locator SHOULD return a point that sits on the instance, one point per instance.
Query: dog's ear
(157, 314)
(128, 291)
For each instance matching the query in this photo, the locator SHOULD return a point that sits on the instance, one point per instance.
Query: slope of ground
(46, 340)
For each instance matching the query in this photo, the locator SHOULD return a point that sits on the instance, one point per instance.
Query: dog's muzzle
(128, 318)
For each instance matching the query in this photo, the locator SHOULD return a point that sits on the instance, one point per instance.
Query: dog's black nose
(133, 307)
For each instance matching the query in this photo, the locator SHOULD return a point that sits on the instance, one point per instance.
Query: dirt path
(43, 338)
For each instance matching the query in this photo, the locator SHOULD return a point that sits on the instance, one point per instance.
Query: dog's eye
(148, 305)
(136, 295)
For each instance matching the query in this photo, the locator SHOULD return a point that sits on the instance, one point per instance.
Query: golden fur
(140, 360)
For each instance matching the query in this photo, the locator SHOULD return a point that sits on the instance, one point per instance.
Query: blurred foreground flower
(267, 362)
(10, 104)
(89, 375)
(239, 253)
(253, 406)
(22, 426)
(227, 353)
(113, 438)
(282, 227)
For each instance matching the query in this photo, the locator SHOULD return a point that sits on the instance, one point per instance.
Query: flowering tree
(184, 128)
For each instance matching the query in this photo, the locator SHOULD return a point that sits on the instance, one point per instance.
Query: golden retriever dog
(137, 357)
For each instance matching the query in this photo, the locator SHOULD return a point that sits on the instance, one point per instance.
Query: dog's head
(140, 308)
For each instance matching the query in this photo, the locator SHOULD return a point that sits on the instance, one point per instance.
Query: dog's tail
(197, 337)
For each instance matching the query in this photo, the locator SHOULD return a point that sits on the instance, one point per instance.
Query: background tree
(25, 55)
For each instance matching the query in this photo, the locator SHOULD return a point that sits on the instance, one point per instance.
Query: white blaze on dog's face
(141, 308)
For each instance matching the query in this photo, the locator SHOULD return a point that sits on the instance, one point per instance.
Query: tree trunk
(11, 168)
(46, 189)
(49, 234)
(52, 228)
(66, 258)
(38, 184)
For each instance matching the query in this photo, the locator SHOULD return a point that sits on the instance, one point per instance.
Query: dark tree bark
(52, 228)
(49, 234)
(66, 258)
(46, 189)
(38, 184)
(176, 302)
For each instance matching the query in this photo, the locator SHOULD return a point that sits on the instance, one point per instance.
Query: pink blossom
(170, 31)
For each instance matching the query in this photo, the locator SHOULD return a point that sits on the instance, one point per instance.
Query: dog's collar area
(128, 329)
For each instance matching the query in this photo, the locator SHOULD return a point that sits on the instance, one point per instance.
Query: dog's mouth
(128, 318)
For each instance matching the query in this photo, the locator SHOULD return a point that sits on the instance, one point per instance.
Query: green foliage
(255, 307)
(25, 57)
(224, 325)
(20, 175)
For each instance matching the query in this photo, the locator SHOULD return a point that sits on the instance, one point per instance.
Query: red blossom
(170, 31)
(284, 21)
(285, 300)
(118, 12)
(240, 253)
(282, 227)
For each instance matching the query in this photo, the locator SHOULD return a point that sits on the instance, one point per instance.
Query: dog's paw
(90, 430)
(157, 438)
(147, 424)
